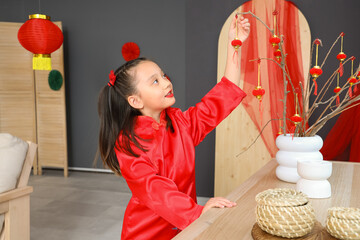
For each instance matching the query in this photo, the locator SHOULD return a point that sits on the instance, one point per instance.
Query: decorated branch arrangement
(333, 105)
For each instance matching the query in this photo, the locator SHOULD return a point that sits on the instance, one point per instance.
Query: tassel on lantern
(352, 80)
(236, 43)
(316, 70)
(341, 56)
(258, 92)
(41, 37)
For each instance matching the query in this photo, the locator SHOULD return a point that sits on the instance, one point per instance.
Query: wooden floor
(83, 206)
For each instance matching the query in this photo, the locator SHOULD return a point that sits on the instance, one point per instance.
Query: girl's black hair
(116, 115)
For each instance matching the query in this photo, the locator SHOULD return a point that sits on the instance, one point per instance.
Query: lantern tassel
(355, 88)
(337, 100)
(261, 112)
(235, 58)
(41, 62)
(341, 69)
(350, 92)
(316, 87)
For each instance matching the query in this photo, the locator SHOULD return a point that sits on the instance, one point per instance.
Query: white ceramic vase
(293, 149)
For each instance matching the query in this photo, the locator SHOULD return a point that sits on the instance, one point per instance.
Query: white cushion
(12, 155)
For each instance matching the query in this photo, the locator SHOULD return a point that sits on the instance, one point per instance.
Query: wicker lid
(344, 213)
(283, 197)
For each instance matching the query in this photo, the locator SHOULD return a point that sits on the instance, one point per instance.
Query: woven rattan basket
(284, 212)
(343, 223)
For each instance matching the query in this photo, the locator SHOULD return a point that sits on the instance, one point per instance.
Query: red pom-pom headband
(112, 78)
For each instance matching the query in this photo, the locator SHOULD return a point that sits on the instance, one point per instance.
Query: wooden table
(237, 222)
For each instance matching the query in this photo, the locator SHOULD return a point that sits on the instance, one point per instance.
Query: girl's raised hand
(218, 202)
(243, 28)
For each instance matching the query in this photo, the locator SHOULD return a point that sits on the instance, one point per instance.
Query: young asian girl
(152, 145)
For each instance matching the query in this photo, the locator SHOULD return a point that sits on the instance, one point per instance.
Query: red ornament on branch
(277, 54)
(336, 90)
(258, 92)
(296, 119)
(352, 80)
(274, 40)
(316, 70)
(341, 56)
(41, 37)
(236, 43)
(130, 51)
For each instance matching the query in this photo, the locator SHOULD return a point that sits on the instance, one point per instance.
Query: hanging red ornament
(352, 80)
(277, 54)
(296, 119)
(337, 90)
(274, 40)
(258, 92)
(130, 51)
(236, 43)
(316, 70)
(41, 37)
(341, 56)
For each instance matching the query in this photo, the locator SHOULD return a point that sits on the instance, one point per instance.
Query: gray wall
(94, 33)
(182, 36)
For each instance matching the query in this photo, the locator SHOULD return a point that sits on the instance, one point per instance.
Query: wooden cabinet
(29, 108)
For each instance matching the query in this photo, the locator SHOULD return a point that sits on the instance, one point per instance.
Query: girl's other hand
(243, 28)
(218, 202)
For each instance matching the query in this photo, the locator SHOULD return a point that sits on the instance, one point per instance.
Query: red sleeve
(214, 107)
(158, 193)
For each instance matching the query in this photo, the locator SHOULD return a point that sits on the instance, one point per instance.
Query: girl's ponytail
(117, 116)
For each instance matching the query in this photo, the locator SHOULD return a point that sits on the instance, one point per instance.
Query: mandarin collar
(145, 125)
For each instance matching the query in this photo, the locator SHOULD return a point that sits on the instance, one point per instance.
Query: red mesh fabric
(343, 141)
(273, 84)
(40, 36)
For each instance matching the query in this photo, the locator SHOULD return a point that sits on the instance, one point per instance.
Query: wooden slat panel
(51, 116)
(17, 108)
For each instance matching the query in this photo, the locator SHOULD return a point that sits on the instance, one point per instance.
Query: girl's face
(154, 90)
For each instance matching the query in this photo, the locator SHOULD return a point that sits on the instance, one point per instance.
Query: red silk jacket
(162, 180)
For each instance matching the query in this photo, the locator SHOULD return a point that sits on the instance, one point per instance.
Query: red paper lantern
(296, 119)
(41, 37)
(236, 43)
(341, 56)
(337, 89)
(277, 54)
(274, 40)
(130, 51)
(316, 71)
(352, 81)
(258, 92)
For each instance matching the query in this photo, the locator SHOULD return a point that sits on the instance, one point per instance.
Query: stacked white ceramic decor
(294, 149)
(313, 181)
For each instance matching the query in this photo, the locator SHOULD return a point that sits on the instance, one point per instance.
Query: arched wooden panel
(238, 131)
